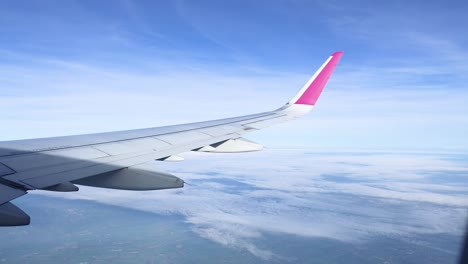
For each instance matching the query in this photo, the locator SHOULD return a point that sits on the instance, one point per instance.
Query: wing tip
(315, 86)
(337, 53)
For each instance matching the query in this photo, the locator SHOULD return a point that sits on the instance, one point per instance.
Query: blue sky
(70, 67)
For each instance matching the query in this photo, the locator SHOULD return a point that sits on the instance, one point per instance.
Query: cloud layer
(350, 197)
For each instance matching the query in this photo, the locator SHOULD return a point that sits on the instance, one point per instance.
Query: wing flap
(30, 161)
(185, 137)
(132, 146)
(222, 130)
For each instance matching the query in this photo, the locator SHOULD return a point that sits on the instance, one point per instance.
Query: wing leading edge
(118, 160)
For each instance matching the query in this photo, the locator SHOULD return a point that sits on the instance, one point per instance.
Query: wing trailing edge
(307, 97)
(236, 145)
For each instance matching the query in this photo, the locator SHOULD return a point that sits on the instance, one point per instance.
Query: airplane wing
(118, 160)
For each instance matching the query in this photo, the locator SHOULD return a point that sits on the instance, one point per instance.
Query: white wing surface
(118, 160)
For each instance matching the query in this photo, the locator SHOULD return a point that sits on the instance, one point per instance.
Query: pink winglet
(312, 93)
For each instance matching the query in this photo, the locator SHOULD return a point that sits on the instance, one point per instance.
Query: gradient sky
(71, 67)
